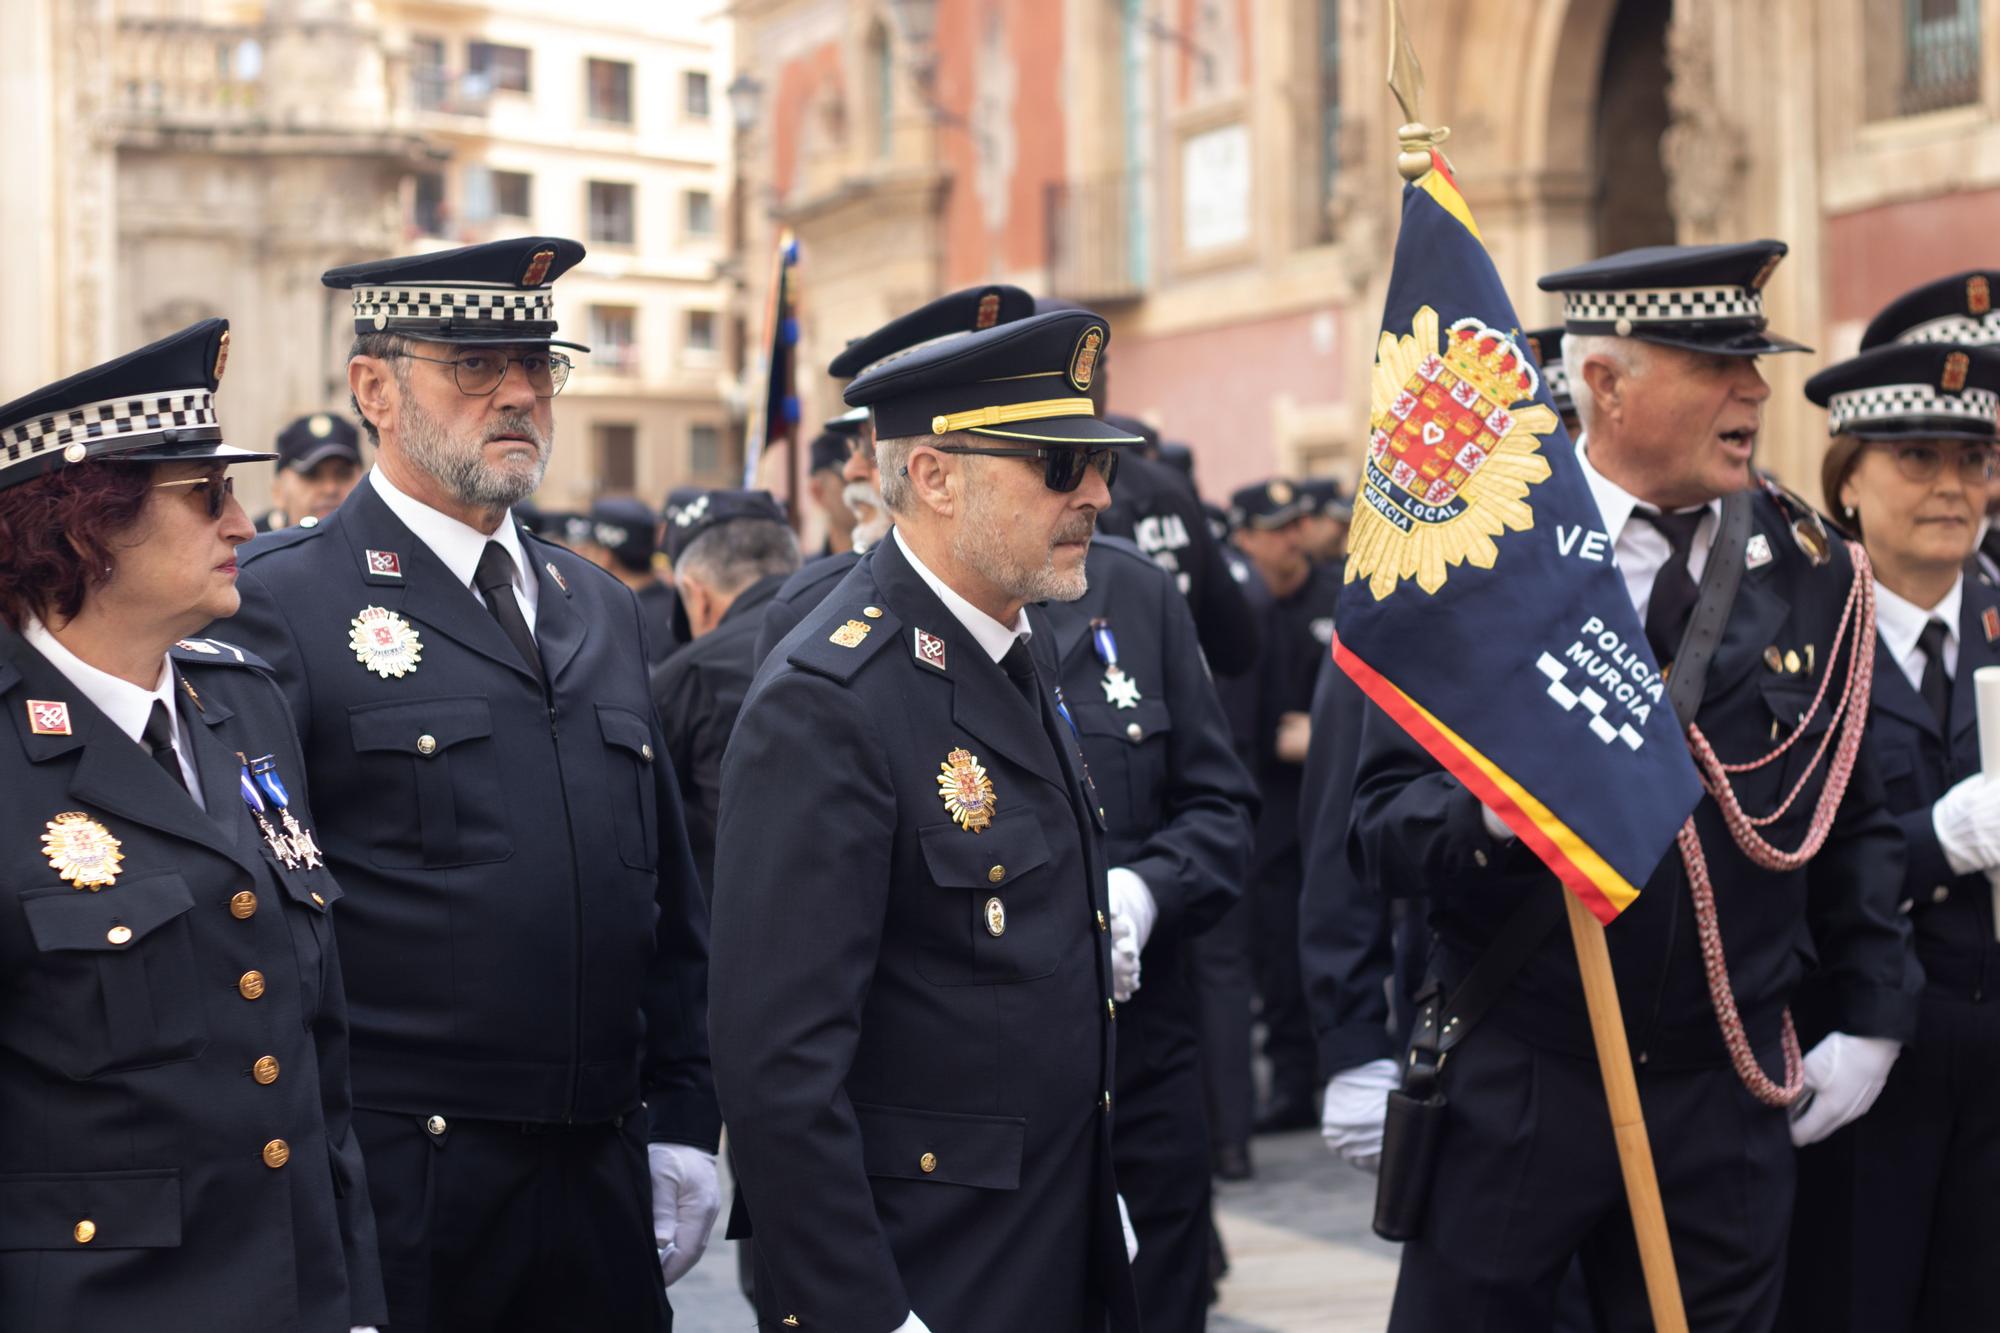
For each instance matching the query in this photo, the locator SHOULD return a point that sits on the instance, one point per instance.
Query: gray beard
(980, 542)
(458, 467)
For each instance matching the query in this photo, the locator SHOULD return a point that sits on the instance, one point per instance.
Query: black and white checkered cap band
(1663, 305)
(378, 307)
(114, 419)
(1956, 329)
(1895, 402)
(1557, 378)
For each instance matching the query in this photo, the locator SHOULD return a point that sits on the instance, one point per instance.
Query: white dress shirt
(127, 705)
(459, 545)
(1638, 548)
(992, 636)
(1899, 621)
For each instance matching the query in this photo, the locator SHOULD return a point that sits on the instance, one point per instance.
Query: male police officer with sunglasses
(524, 918)
(912, 977)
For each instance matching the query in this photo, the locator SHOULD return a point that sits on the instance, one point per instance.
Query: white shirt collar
(1616, 503)
(1899, 620)
(992, 636)
(457, 544)
(127, 705)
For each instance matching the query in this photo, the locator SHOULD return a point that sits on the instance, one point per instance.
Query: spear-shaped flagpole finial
(1406, 81)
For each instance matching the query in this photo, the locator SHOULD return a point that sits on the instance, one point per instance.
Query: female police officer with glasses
(174, 1145)
(1895, 1227)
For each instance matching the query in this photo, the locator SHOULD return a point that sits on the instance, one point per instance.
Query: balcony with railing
(1095, 247)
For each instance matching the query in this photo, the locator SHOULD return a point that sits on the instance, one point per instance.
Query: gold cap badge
(1083, 361)
(1280, 492)
(320, 424)
(82, 850)
(221, 354)
(989, 312)
(538, 268)
(1955, 367)
(1978, 295)
(966, 791)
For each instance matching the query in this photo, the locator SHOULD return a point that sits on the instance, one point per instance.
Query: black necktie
(1674, 590)
(1019, 665)
(1935, 687)
(495, 578)
(159, 738)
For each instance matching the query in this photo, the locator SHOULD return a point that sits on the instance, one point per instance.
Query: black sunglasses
(215, 491)
(1063, 465)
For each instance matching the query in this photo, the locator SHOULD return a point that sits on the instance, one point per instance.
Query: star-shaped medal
(1120, 689)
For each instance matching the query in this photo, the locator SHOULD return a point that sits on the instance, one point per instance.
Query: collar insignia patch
(930, 649)
(386, 563)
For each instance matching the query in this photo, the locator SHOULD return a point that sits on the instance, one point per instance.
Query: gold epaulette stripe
(1038, 410)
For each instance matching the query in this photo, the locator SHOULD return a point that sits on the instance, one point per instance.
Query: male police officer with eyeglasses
(526, 927)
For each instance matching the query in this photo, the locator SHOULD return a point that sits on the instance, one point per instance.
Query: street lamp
(746, 99)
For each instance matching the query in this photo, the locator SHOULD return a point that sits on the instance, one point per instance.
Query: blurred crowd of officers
(399, 905)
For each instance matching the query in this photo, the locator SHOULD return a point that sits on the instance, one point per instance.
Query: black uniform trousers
(1528, 1175)
(1896, 1228)
(561, 1234)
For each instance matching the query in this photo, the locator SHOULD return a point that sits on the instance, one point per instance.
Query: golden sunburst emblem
(966, 790)
(1454, 448)
(384, 642)
(82, 850)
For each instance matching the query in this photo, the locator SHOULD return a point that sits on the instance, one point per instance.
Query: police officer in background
(319, 461)
(1894, 1227)
(912, 978)
(731, 550)
(619, 535)
(826, 482)
(1323, 530)
(1177, 808)
(530, 1056)
(1546, 345)
(1527, 1174)
(176, 1152)
(1298, 630)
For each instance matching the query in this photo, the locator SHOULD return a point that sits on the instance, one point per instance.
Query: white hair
(1631, 356)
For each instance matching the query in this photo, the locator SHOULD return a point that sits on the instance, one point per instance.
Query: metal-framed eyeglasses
(1921, 461)
(479, 374)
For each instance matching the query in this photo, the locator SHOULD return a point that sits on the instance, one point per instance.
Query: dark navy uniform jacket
(912, 1020)
(699, 692)
(147, 1179)
(1177, 802)
(656, 612)
(798, 595)
(526, 932)
(1416, 830)
(1155, 508)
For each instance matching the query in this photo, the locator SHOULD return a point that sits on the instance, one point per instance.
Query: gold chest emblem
(82, 850)
(966, 791)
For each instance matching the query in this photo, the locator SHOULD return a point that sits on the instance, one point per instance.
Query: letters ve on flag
(1482, 612)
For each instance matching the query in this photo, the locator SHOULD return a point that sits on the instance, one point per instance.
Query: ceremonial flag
(1482, 612)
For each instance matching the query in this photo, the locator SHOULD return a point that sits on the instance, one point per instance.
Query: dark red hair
(60, 534)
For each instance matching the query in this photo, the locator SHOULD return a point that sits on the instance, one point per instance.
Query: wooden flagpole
(1593, 956)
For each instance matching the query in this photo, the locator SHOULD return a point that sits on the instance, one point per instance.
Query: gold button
(1111, 1007)
(872, 612)
(276, 1153)
(1940, 893)
(265, 1071)
(243, 906)
(84, 1231)
(318, 901)
(996, 874)
(119, 934)
(1102, 924)
(435, 1125)
(646, 752)
(996, 918)
(791, 1321)
(1133, 731)
(251, 983)
(927, 1163)
(427, 744)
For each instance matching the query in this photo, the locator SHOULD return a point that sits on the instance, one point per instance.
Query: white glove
(1967, 820)
(1125, 1225)
(1844, 1076)
(1357, 1102)
(1124, 959)
(1132, 899)
(686, 1198)
(912, 1325)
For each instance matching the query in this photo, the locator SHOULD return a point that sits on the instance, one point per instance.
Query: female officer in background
(174, 1146)
(1895, 1227)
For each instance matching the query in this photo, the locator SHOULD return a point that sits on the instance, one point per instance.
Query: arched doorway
(1632, 206)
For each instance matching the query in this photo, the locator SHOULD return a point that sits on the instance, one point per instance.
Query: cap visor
(308, 461)
(1725, 344)
(502, 340)
(194, 451)
(1947, 429)
(1059, 430)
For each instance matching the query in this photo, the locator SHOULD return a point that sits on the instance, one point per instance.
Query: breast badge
(966, 791)
(1454, 449)
(82, 850)
(384, 642)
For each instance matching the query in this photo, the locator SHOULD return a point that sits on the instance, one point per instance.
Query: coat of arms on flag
(1453, 451)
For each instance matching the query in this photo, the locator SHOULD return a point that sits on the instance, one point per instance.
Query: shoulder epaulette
(216, 652)
(266, 542)
(842, 639)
